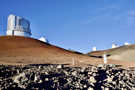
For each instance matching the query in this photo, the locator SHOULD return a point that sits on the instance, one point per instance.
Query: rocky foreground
(61, 77)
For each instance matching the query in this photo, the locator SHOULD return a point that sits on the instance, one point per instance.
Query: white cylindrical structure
(105, 58)
(18, 26)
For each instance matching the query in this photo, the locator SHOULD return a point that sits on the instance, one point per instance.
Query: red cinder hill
(23, 50)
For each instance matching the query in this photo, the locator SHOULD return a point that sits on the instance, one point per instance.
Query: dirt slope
(124, 53)
(17, 50)
(22, 50)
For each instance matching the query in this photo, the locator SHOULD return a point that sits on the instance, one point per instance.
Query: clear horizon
(75, 24)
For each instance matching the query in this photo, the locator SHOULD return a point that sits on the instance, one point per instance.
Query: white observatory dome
(43, 39)
(114, 45)
(94, 48)
(18, 26)
(126, 43)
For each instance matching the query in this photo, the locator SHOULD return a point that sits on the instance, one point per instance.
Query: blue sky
(75, 24)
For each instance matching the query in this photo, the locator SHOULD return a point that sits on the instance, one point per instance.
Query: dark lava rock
(59, 77)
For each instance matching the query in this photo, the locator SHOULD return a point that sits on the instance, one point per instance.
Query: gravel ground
(62, 77)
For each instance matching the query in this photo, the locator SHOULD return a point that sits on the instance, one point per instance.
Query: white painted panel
(18, 33)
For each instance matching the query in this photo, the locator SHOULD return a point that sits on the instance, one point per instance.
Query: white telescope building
(18, 26)
(43, 39)
(114, 45)
(126, 43)
(94, 48)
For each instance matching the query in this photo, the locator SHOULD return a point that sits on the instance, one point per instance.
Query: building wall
(17, 33)
(11, 22)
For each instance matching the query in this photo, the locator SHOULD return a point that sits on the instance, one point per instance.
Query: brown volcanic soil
(123, 53)
(101, 52)
(23, 50)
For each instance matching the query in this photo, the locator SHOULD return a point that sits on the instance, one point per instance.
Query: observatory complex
(18, 26)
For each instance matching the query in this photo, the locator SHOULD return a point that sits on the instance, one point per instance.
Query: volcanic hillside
(124, 53)
(23, 50)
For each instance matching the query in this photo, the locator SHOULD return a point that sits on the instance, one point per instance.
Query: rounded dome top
(43, 39)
